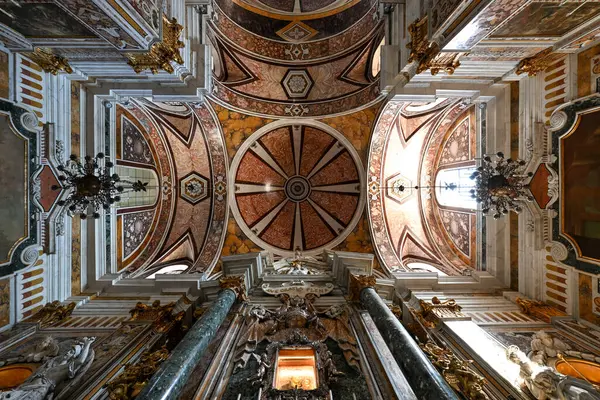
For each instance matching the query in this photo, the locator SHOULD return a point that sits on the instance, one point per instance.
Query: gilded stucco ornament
(161, 54)
(458, 373)
(447, 309)
(129, 383)
(538, 309)
(52, 313)
(162, 316)
(535, 64)
(235, 283)
(50, 62)
(427, 54)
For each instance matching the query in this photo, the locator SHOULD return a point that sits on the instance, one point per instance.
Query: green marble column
(172, 375)
(424, 379)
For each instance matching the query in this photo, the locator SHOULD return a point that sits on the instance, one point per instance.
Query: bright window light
(169, 270)
(460, 197)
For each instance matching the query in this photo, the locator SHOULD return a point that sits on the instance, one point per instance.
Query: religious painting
(581, 185)
(30, 19)
(548, 19)
(12, 181)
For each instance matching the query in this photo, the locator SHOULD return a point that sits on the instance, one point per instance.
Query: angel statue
(46, 348)
(56, 370)
(547, 384)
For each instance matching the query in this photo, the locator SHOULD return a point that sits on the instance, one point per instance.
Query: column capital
(359, 282)
(236, 283)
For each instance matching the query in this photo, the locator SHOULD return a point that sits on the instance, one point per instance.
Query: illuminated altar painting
(581, 180)
(295, 368)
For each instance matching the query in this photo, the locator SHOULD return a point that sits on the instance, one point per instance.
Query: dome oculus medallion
(297, 186)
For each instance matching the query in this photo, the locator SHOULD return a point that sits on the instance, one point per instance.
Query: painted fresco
(581, 185)
(4, 302)
(12, 182)
(29, 20)
(150, 10)
(548, 19)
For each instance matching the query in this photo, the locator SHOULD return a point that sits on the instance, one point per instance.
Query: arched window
(169, 270)
(460, 196)
(424, 267)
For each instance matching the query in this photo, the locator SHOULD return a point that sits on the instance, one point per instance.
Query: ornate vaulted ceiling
(411, 144)
(320, 62)
(183, 145)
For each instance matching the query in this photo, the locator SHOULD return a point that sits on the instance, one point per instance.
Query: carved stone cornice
(162, 316)
(358, 283)
(538, 309)
(129, 383)
(161, 54)
(235, 283)
(50, 62)
(52, 313)
(537, 63)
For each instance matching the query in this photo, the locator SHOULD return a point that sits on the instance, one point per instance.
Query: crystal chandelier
(499, 185)
(91, 185)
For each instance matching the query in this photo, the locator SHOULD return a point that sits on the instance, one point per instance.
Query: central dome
(297, 186)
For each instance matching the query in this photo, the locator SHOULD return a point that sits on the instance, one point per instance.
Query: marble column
(425, 380)
(169, 380)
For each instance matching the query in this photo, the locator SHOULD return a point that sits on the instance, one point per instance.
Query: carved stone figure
(263, 365)
(545, 349)
(70, 365)
(328, 366)
(47, 347)
(546, 384)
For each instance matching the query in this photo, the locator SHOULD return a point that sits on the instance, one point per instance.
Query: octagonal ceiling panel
(297, 186)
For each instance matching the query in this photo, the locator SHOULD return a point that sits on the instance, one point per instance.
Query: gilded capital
(358, 283)
(129, 383)
(235, 283)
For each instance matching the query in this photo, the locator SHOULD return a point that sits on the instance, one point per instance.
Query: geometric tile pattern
(296, 31)
(194, 188)
(297, 83)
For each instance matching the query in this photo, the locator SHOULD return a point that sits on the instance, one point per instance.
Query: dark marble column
(425, 380)
(172, 375)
